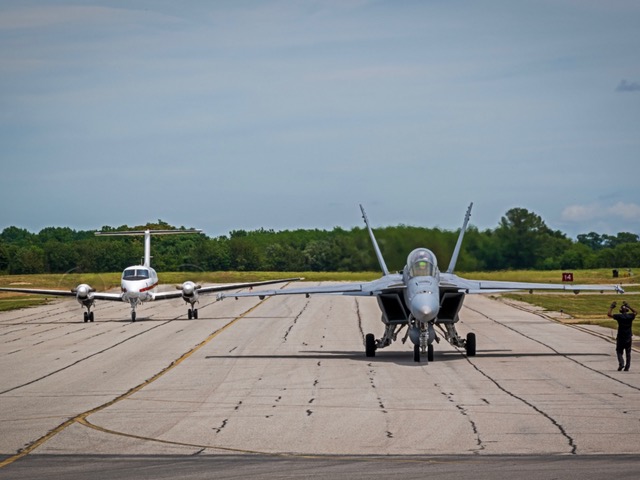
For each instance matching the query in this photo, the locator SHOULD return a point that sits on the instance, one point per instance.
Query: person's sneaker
(620, 367)
(626, 369)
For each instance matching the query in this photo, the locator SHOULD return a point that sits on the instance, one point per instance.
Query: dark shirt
(624, 325)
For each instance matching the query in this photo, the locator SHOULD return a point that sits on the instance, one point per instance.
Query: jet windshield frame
(422, 262)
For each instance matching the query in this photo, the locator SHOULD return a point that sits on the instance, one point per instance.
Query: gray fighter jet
(421, 297)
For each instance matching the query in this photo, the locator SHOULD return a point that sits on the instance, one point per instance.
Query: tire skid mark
(80, 360)
(30, 316)
(82, 418)
(12, 331)
(56, 326)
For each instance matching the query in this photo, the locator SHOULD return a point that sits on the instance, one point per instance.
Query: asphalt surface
(281, 388)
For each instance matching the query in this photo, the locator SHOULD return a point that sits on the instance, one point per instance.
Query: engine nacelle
(82, 291)
(189, 291)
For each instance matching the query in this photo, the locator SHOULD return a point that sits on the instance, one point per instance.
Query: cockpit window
(135, 274)
(422, 263)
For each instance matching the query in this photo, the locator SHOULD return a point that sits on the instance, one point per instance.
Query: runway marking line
(82, 418)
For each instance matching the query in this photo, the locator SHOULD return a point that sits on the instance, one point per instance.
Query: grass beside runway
(582, 308)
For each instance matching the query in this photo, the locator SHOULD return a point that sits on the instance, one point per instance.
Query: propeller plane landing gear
(192, 313)
(88, 316)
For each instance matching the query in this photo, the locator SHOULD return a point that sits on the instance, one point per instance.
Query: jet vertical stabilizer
(456, 251)
(383, 265)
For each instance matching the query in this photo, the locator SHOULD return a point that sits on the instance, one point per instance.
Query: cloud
(587, 213)
(625, 86)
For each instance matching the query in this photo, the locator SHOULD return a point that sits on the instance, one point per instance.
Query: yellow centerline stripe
(81, 418)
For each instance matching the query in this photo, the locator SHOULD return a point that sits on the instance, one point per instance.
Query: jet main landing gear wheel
(370, 345)
(470, 344)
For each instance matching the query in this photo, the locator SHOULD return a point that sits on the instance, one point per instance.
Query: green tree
(60, 257)
(4, 256)
(592, 240)
(244, 254)
(575, 257)
(17, 236)
(26, 260)
(525, 241)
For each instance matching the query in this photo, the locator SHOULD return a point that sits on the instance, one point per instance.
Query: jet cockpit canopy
(422, 263)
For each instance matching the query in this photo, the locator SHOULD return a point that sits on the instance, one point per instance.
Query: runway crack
(600, 372)
(465, 413)
(295, 320)
(554, 422)
(224, 424)
(359, 316)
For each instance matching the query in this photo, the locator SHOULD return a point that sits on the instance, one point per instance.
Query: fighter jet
(420, 297)
(139, 283)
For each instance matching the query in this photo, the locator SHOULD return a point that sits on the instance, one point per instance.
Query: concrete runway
(281, 387)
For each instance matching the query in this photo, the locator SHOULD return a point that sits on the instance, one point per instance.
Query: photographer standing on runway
(623, 340)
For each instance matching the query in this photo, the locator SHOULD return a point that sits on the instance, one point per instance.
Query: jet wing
(63, 293)
(386, 284)
(222, 288)
(453, 282)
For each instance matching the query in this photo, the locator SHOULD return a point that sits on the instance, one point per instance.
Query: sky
(240, 114)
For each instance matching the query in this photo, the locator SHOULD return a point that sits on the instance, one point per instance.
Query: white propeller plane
(139, 283)
(421, 297)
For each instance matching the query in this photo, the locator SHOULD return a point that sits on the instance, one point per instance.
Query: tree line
(521, 241)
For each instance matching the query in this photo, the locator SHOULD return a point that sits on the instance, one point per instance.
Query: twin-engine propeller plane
(139, 283)
(421, 297)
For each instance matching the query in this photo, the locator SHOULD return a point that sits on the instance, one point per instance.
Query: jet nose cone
(424, 307)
